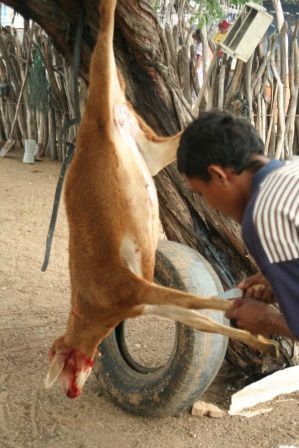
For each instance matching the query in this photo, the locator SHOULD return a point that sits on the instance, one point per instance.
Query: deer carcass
(112, 211)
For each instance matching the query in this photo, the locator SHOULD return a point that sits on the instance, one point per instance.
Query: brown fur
(107, 200)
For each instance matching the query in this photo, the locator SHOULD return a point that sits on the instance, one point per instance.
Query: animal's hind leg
(204, 323)
(104, 87)
(146, 293)
(180, 305)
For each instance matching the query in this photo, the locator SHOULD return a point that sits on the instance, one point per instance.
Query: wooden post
(8, 145)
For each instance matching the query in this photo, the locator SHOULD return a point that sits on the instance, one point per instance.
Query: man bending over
(222, 158)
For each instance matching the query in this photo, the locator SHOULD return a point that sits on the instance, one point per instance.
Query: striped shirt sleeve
(276, 214)
(276, 220)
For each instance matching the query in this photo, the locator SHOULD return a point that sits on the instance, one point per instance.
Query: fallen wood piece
(200, 409)
(7, 147)
(281, 382)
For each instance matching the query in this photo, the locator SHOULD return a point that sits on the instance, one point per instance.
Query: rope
(70, 146)
(66, 162)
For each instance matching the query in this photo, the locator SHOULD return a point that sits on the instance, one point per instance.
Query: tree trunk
(147, 64)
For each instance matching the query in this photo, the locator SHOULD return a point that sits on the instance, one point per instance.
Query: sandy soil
(33, 310)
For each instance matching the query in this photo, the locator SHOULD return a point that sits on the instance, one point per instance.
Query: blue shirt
(270, 229)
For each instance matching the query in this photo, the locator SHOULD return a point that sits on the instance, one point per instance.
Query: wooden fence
(36, 89)
(46, 102)
(264, 90)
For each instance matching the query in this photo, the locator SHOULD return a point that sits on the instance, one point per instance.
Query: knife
(234, 293)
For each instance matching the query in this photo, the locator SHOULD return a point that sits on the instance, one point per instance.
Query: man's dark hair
(218, 138)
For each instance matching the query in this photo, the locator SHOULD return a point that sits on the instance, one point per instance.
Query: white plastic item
(281, 382)
(247, 31)
(30, 146)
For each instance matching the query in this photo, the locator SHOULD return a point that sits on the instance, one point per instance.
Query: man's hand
(252, 315)
(257, 287)
(258, 318)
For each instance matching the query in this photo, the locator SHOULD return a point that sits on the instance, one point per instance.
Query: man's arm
(259, 318)
(277, 231)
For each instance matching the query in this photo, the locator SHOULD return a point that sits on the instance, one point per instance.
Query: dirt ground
(33, 311)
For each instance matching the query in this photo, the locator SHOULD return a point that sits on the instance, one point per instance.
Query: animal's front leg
(159, 153)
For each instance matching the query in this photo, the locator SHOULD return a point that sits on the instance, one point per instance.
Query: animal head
(72, 367)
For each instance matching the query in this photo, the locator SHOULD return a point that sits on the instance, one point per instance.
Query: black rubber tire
(196, 357)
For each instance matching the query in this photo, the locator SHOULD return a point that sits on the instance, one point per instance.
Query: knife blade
(234, 293)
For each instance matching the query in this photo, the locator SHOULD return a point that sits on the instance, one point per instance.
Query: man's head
(197, 35)
(218, 154)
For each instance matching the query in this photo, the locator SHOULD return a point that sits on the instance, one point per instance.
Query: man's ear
(218, 173)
